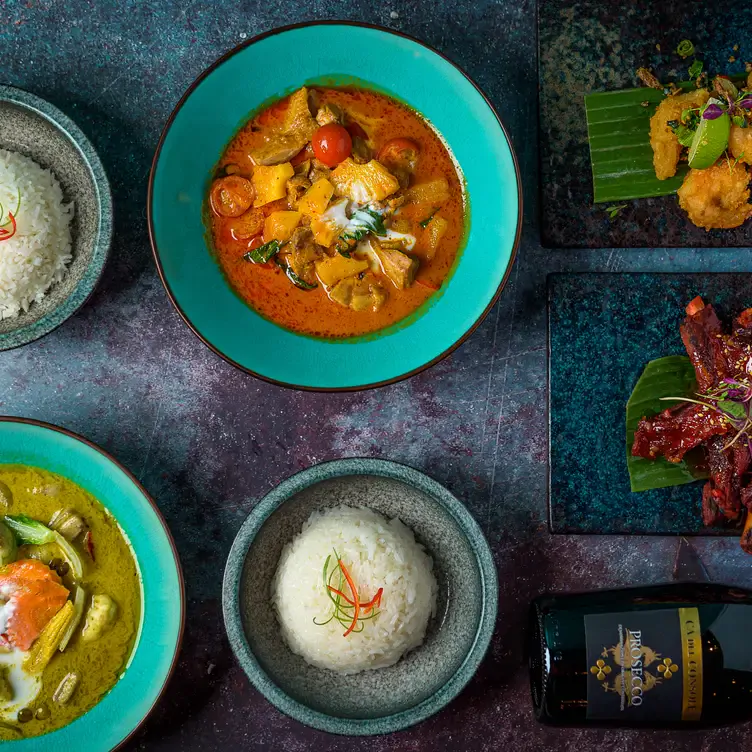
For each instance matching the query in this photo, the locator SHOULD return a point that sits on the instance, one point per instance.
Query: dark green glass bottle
(672, 655)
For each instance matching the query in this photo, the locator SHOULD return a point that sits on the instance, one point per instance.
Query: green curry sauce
(100, 663)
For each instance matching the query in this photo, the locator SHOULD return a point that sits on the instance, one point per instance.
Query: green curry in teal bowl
(91, 594)
(334, 206)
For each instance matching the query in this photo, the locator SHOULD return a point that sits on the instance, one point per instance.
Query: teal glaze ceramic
(109, 723)
(38, 130)
(220, 102)
(427, 678)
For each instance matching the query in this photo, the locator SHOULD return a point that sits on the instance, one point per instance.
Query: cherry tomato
(331, 144)
(400, 152)
(246, 226)
(231, 196)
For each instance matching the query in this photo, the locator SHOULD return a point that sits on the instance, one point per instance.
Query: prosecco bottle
(676, 655)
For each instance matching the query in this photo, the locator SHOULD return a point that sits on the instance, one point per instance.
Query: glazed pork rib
(717, 358)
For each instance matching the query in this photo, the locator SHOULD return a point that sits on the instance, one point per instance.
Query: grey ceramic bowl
(420, 684)
(35, 128)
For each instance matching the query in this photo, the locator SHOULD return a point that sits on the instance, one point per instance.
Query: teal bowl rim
(152, 235)
(178, 566)
(85, 288)
(278, 496)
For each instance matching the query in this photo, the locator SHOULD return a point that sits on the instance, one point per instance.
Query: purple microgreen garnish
(746, 102)
(712, 112)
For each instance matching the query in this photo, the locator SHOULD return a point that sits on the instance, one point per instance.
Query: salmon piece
(36, 594)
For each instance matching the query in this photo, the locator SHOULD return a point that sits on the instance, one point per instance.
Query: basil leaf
(369, 219)
(294, 278)
(263, 253)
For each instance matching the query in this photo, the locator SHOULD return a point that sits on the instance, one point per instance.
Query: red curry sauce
(266, 288)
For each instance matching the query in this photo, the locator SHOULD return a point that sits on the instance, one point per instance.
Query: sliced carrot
(341, 595)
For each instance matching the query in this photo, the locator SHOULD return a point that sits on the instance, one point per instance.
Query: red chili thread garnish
(88, 540)
(343, 602)
(8, 234)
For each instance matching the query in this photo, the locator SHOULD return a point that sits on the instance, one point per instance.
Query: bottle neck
(539, 660)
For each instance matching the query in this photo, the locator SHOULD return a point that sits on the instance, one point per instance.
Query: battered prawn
(717, 198)
(740, 143)
(666, 147)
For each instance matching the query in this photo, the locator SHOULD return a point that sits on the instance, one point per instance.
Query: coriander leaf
(684, 135)
(613, 211)
(695, 69)
(263, 253)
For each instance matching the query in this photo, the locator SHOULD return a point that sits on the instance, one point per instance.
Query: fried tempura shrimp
(717, 198)
(740, 143)
(666, 147)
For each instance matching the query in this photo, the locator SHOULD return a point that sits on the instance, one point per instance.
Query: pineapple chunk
(316, 198)
(433, 192)
(280, 225)
(333, 269)
(270, 182)
(364, 183)
(433, 234)
(331, 224)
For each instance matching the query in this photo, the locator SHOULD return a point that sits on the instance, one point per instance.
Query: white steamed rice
(36, 257)
(378, 553)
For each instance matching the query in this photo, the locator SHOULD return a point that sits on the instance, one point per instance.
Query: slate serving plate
(35, 128)
(603, 330)
(597, 45)
(423, 681)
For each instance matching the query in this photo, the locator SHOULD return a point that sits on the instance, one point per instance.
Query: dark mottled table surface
(207, 441)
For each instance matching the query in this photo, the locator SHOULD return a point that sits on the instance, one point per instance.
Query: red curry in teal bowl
(323, 232)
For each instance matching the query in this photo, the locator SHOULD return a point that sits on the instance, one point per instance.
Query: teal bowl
(122, 710)
(422, 682)
(37, 129)
(221, 101)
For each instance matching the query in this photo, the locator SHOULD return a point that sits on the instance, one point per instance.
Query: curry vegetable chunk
(70, 602)
(342, 236)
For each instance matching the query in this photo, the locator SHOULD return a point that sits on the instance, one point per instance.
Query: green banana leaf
(620, 152)
(673, 376)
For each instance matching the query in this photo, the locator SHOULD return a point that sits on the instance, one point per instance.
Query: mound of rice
(36, 257)
(377, 553)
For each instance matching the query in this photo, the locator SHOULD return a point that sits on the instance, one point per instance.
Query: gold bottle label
(691, 637)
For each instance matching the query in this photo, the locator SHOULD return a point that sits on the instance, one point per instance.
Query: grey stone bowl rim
(277, 497)
(84, 289)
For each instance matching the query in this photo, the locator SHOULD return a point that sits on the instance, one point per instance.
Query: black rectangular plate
(597, 45)
(603, 329)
